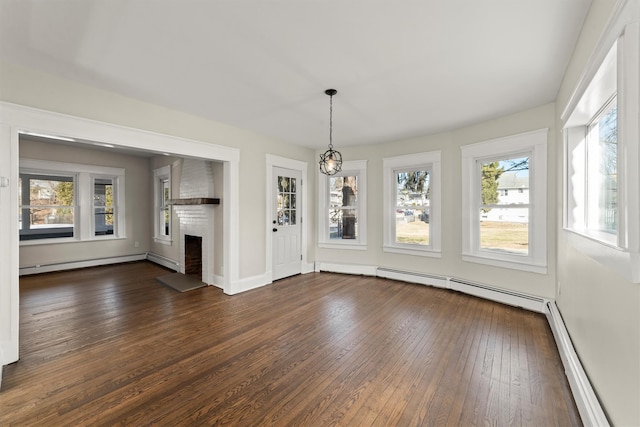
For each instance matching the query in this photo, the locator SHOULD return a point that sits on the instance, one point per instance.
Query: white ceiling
(401, 68)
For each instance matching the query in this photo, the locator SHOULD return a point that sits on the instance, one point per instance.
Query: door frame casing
(16, 119)
(297, 165)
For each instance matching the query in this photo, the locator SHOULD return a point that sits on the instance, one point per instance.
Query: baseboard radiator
(60, 266)
(163, 261)
(481, 290)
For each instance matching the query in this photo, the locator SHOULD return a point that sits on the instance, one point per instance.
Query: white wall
(451, 263)
(600, 309)
(28, 87)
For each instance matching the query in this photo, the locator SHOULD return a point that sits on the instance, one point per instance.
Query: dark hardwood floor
(111, 346)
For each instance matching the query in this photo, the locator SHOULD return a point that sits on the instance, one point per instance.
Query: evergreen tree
(491, 172)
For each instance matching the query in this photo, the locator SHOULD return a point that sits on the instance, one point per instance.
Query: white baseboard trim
(587, 402)
(249, 283)
(47, 268)
(365, 270)
(163, 261)
(307, 267)
(217, 280)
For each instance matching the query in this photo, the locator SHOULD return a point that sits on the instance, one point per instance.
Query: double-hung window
(601, 151)
(104, 206)
(69, 202)
(47, 205)
(591, 146)
(342, 213)
(162, 209)
(504, 202)
(412, 204)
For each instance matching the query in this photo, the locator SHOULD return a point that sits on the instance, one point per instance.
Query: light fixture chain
(331, 121)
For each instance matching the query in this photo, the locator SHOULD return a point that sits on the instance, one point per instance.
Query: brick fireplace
(195, 209)
(193, 255)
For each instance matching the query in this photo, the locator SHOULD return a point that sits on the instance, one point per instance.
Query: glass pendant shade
(330, 162)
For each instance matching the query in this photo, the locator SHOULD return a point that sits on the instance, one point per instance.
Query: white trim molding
(589, 407)
(351, 168)
(430, 161)
(296, 165)
(613, 70)
(534, 145)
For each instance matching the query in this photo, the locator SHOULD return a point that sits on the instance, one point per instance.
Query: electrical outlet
(136, 244)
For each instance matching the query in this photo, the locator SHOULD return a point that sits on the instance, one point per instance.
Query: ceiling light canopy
(331, 160)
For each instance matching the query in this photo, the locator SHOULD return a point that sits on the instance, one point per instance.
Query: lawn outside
(498, 235)
(505, 236)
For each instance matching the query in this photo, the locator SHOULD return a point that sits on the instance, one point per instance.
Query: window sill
(54, 241)
(426, 252)
(163, 241)
(527, 265)
(351, 246)
(621, 261)
(601, 237)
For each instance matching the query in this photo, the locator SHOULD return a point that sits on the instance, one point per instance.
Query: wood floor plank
(111, 346)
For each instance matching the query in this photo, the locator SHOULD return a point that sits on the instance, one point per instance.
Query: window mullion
(84, 203)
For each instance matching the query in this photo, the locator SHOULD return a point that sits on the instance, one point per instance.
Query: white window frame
(613, 68)
(159, 175)
(349, 168)
(84, 219)
(420, 161)
(116, 207)
(533, 144)
(25, 190)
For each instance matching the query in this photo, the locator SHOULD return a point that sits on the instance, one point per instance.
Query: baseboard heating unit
(60, 266)
(481, 290)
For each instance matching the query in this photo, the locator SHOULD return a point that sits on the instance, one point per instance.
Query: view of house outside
(50, 203)
(504, 213)
(412, 207)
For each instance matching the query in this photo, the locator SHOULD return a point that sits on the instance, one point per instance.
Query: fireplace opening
(193, 256)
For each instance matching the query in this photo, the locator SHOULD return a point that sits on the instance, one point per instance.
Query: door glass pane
(286, 201)
(283, 184)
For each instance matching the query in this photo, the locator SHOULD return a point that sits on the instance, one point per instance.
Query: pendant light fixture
(331, 160)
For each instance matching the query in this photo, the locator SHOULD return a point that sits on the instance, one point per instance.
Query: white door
(285, 224)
